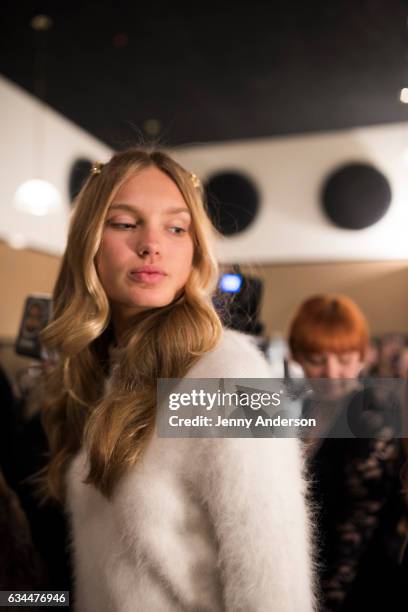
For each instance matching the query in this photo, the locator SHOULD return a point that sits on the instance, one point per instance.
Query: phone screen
(36, 315)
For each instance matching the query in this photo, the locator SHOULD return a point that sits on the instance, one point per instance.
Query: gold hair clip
(96, 167)
(195, 180)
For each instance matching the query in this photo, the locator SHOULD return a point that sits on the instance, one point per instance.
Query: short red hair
(328, 323)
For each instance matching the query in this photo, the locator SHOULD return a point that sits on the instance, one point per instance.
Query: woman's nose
(332, 367)
(148, 243)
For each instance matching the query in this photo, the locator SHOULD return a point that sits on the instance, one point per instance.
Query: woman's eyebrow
(135, 210)
(125, 207)
(175, 211)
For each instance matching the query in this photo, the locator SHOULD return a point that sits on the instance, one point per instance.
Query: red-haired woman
(356, 483)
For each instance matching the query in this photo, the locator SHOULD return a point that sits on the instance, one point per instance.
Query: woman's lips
(147, 277)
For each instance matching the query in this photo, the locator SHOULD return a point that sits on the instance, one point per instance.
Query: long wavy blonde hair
(116, 422)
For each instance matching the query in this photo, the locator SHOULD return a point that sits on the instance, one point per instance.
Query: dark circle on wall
(78, 174)
(232, 201)
(356, 196)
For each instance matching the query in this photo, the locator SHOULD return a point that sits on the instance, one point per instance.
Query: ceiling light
(404, 95)
(120, 40)
(37, 197)
(151, 127)
(41, 23)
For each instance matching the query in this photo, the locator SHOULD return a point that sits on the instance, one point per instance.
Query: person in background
(356, 480)
(372, 358)
(403, 361)
(160, 524)
(8, 428)
(21, 566)
(389, 355)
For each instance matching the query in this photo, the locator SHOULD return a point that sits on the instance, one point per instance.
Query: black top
(356, 489)
(8, 426)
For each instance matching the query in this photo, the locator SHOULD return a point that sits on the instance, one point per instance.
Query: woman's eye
(177, 230)
(315, 360)
(124, 226)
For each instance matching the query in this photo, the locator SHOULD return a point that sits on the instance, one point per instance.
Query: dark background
(211, 72)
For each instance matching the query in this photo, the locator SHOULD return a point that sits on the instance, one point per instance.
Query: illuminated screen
(231, 283)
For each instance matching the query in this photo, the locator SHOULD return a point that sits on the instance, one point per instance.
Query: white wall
(288, 172)
(291, 226)
(21, 118)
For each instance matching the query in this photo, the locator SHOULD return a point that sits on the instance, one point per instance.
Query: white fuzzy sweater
(198, 525)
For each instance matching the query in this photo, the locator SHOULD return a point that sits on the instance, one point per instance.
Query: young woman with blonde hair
(160, 524)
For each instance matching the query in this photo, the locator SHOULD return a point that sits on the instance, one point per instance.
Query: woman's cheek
(114, 250)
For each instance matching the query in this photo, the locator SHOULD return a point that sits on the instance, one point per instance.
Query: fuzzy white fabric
(199, 525)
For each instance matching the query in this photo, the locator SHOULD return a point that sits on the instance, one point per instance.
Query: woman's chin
(147, 304)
